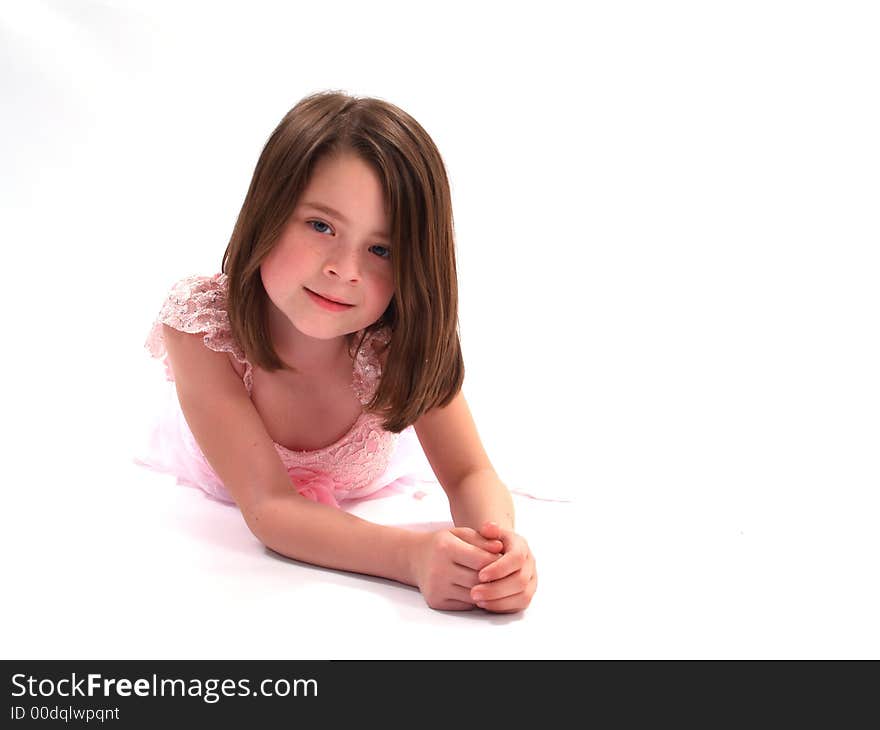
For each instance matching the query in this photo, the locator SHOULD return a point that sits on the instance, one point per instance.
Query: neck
(310, 357)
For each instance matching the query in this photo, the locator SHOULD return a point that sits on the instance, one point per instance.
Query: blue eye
(386, 256)
(320, 223)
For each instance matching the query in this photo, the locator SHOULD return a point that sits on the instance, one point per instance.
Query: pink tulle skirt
(171, 448)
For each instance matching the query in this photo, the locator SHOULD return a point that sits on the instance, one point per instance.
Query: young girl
(331, 329)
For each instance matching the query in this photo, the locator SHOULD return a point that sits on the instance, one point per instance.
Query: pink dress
(364, 462)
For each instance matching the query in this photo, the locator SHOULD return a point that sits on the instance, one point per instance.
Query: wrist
(479, 498)
(411, 551)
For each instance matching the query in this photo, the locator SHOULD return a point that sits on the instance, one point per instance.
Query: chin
(327, 330)
(323, 333)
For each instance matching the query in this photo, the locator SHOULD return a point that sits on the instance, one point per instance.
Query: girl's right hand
(446, 565)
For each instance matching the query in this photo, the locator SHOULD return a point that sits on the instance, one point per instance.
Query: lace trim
(197, 304)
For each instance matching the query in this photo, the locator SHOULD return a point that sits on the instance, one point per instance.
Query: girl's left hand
(508, 584)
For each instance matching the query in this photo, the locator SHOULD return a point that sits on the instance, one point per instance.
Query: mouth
(337, 302)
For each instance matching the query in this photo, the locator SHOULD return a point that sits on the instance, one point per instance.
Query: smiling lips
(327, 303)
(331, 299)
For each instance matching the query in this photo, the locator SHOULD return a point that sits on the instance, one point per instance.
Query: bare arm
(326, 536)
(452, 445)
(238, 447)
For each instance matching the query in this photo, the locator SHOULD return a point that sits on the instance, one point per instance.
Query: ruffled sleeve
(197, 304)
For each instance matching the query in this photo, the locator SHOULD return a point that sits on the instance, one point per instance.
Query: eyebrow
(335, 213)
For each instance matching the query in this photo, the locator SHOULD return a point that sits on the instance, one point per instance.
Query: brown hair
(424, 367)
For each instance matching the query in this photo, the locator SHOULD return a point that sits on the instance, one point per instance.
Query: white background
(667, 231)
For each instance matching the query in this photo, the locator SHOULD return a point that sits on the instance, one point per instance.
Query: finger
(501, 568)
(511, 604)
(464, 577)
(509, 586)
(490, 530)
(451, 605)
(474, 538)
(458, 593)
(493, 531)
(501, 533)
(471, 556)
(492, 546)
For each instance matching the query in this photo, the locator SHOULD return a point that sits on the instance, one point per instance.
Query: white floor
(144, 568)
(136, 566)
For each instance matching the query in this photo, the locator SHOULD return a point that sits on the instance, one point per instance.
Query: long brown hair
(424, 367)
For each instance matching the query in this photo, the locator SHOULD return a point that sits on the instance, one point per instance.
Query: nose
(344, 264)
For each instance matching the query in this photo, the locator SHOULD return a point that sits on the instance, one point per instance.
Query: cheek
(279, 267)
(386, 288)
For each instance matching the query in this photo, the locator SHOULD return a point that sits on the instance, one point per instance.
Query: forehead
(342, 174)
(349, 191)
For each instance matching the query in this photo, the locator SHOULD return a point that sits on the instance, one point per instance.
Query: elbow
(280, 521)
(262, 518)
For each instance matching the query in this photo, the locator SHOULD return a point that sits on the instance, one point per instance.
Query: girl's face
(344, 255)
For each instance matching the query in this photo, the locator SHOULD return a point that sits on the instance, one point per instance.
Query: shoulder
(196, 367)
